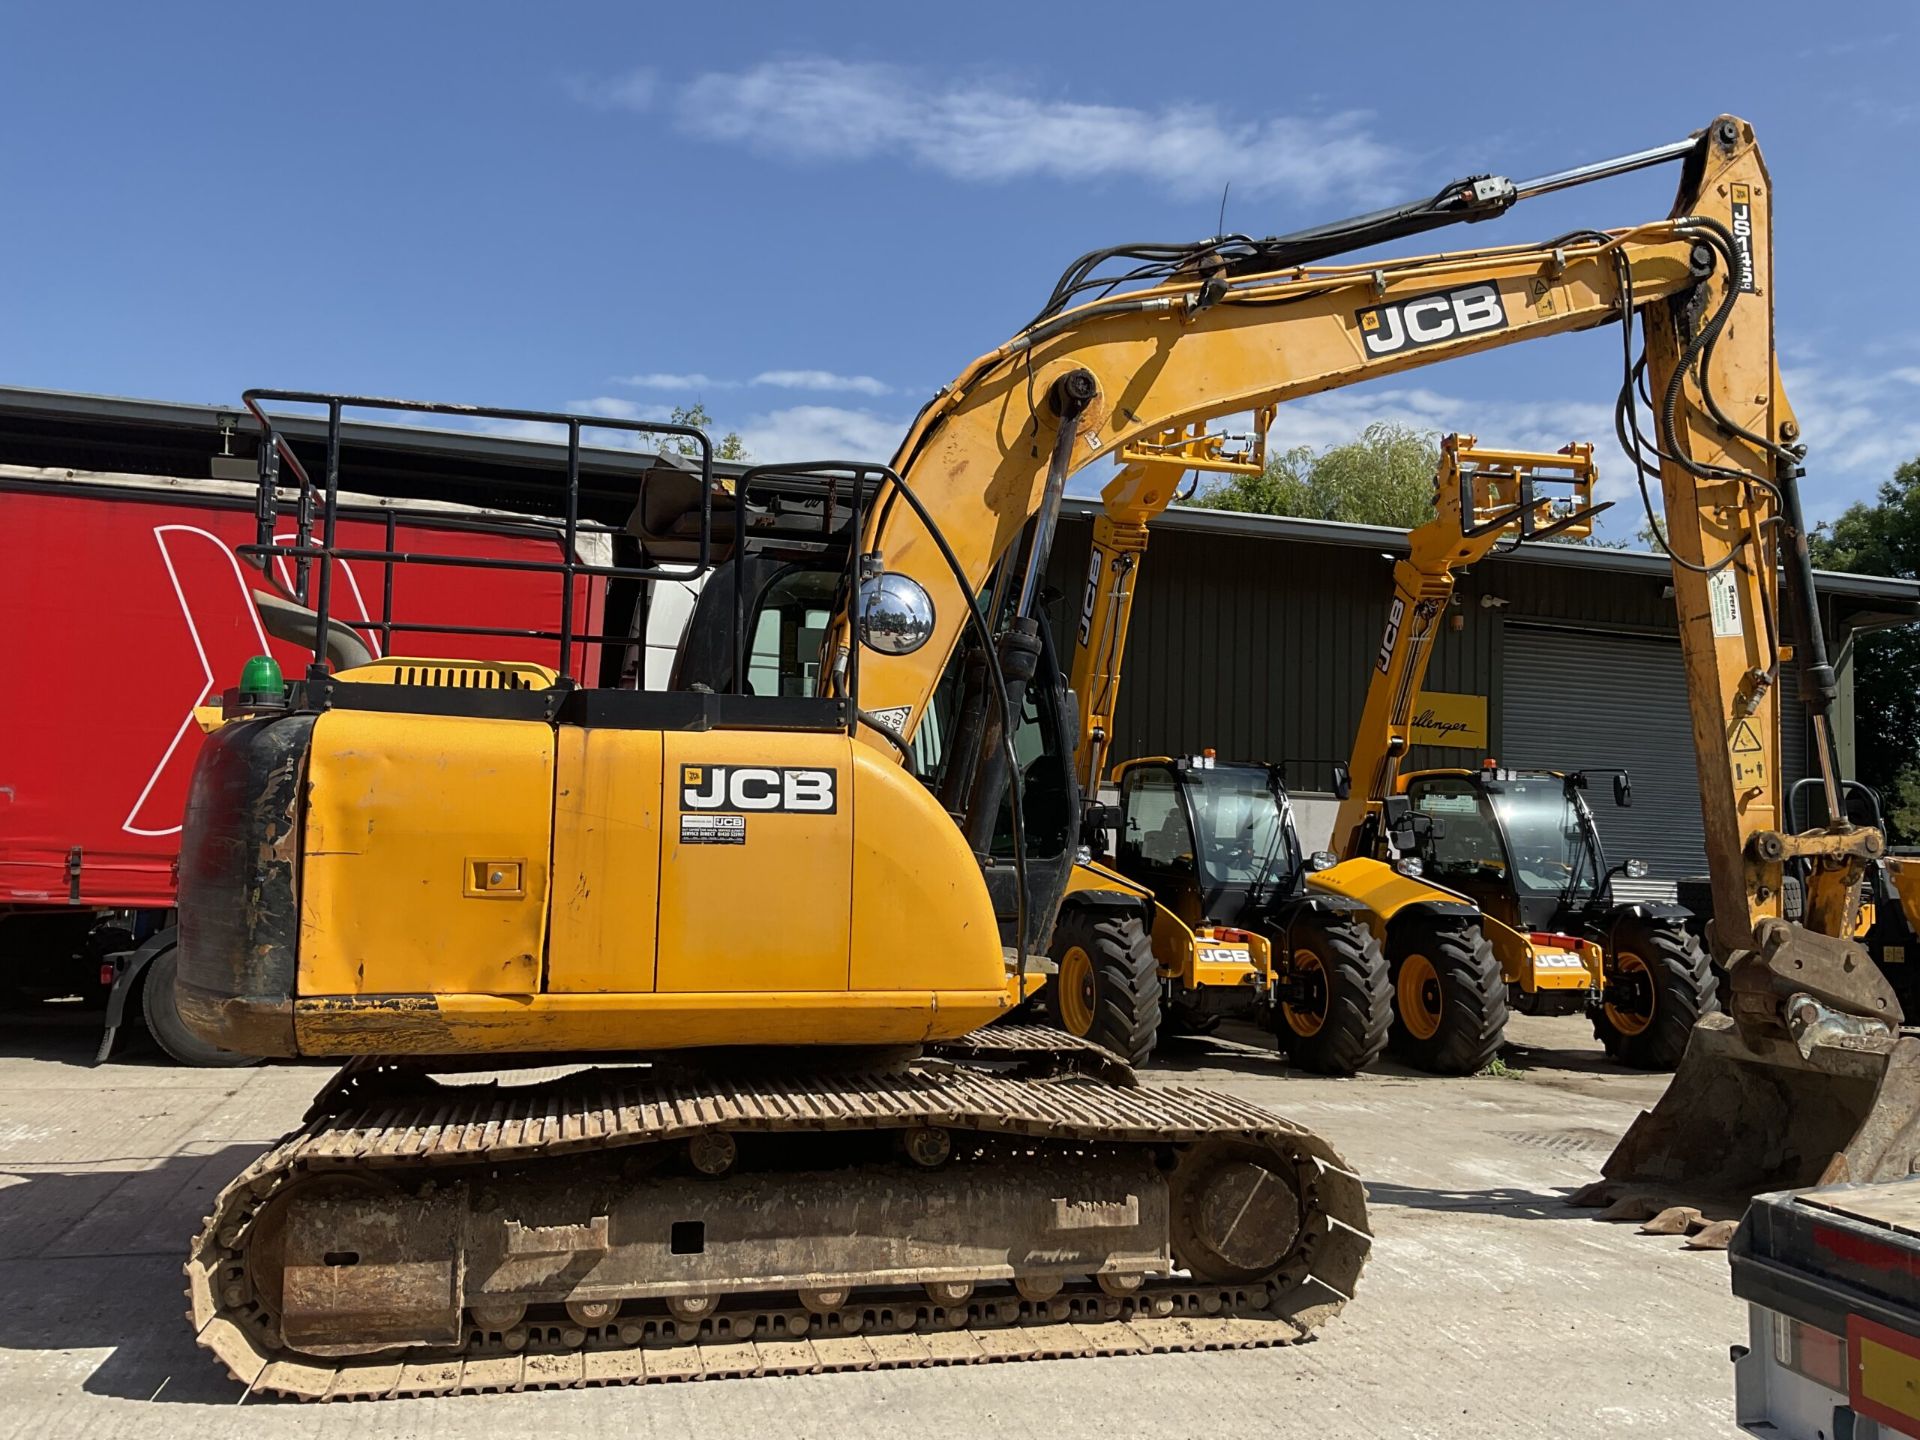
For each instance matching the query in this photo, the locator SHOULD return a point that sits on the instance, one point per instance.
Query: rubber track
(455, 1125)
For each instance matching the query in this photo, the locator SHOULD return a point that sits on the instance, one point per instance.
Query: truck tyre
(1107, 989)
(1339, 1027)
(1659, 983)
(1449, 997)
(161, 1011)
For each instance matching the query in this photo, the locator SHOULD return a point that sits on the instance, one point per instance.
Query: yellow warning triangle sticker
(1746, 741)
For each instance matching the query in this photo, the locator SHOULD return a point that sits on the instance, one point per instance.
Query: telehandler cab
(1236, 930)
(1524, 847)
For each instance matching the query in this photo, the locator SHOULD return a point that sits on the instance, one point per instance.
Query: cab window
(1467, 846)
(1155, 830)
(783, 656)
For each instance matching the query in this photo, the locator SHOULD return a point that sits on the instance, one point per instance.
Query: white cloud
(825, 110)
(795, 432)
(1859, 428)
(821, 380)
(591, 436)
(634, 90)
(665, 380)
(820, 432)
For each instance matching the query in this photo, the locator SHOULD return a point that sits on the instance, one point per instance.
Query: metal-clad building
(1252, 635)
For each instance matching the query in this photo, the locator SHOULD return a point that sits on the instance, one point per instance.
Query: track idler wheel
(1236, 1212)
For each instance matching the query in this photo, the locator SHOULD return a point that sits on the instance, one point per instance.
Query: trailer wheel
(160, 1009)
(1338, 1026)
(1449, 997)
(1659, 983)
(1107, 989)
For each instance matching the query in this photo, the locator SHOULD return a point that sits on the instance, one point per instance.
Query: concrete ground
(1489, 1309)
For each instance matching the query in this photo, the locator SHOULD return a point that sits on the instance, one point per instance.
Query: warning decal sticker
(1747, 754)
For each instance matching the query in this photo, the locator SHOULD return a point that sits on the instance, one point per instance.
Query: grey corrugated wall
(1261, 647)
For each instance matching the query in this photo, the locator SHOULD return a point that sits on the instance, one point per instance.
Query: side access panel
(426, 855)
(606, 861)
(756, 861)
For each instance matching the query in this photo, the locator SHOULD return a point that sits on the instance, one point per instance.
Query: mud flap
(1745, 1117)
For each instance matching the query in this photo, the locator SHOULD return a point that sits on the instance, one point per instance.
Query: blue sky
(807, 218)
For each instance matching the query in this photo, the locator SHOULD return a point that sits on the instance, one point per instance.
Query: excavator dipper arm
(1180, 355)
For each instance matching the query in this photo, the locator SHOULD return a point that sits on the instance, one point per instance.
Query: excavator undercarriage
(997, 1200)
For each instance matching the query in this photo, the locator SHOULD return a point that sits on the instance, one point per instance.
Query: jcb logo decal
(1395, 614)
(1096, 563)
(1429, 319)
(758, 789)
(1742, 197)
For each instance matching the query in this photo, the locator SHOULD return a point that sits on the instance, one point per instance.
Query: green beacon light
(261, 684)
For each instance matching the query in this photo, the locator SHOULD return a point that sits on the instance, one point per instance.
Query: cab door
(1156, 845)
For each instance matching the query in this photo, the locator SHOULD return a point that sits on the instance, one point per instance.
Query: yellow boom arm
(1153, 367)
(1173, 358)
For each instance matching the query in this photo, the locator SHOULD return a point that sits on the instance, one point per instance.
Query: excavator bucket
(1745, 1116)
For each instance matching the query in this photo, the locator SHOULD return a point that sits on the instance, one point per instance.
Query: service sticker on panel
(713, 829)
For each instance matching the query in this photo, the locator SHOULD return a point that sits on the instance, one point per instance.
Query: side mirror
(1342, 781)
(896, 614)
(1095, 821)
(1622, 791)
(1396, 814)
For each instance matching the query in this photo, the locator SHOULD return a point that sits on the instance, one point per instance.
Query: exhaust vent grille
(460, 677)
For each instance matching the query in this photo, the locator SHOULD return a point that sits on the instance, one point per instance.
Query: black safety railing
(843, 486)
(317, 509)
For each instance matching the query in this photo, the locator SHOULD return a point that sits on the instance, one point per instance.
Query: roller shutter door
(1577, 699)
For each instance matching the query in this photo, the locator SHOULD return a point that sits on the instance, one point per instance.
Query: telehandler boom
(1429, 855)
(419, 866)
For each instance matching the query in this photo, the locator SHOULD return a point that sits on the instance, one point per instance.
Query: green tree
(1884, 539)
(1385, 477)
(728, 447)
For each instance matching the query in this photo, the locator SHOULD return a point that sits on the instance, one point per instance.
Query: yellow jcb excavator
(814, 1154)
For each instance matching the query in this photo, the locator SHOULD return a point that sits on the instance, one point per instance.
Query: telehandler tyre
(1107, 989)
(1339, 1026)
(1449, 997)
(1659, 982)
